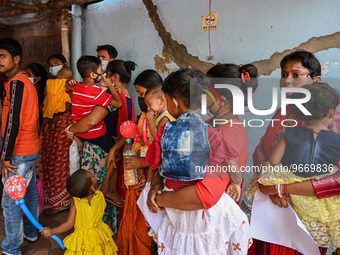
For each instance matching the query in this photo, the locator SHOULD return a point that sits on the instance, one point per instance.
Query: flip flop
(118, 202)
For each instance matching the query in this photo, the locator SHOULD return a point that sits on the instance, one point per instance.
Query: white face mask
(31, 79)
(55, 69)
(104, 65)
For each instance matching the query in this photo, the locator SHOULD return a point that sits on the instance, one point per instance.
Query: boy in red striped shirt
(87, 95)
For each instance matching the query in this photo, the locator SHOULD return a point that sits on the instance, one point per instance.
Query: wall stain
(175, 52)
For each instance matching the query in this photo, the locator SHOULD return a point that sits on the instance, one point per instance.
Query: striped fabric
(84, 98)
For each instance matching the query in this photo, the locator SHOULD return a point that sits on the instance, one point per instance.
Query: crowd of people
(172, 208)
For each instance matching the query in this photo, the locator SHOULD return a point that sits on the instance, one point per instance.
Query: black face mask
(142, 105)
(98, 79)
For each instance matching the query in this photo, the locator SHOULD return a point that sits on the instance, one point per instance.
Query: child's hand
(133, 162)
(46, 232)
(106, 82)
(118, 89)
(73, 82)
(150, 115)
(234, 191)
(69, 87)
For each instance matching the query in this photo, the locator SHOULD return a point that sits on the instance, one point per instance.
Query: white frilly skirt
(222, 229)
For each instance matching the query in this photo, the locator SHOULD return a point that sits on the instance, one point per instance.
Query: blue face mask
(55, 69)
(104, 65)
(31, 79)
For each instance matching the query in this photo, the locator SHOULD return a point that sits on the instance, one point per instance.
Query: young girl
(180, 148)
(231, 128)
(91, 235)
(56, 98)
(310, 152)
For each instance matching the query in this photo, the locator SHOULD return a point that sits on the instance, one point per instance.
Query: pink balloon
(16, 187)
(129, 129)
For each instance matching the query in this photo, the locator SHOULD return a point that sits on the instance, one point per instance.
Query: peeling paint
(336, 64)
(163, 63)
(325, 68)
(172, 49)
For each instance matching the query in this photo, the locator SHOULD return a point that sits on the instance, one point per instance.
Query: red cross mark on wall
(210, 19)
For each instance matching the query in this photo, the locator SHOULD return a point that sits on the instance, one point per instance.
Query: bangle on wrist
(68, 130)
(236, 184)
(285, 186)
(278, 190)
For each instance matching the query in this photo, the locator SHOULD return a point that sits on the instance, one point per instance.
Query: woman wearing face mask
(54, 164)
(94, 158)
(56, 63)
(133, 237)
(38, 76)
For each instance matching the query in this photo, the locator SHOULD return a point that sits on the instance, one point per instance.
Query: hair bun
(129, 65)
(251, 69)
(253, 73)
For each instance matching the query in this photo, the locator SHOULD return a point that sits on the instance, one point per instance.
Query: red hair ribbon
(245, 76)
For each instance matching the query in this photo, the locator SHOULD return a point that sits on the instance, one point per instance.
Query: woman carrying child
(243, 77)
(297, 69)
(133, 237)
(54, 165)
(179, 148)
(310, 152)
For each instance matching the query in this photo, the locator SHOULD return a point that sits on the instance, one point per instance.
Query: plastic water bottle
(130, 175)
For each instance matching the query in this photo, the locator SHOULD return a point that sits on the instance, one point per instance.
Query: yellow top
(56, 97)
(164, 114)
(91, 235)
(144, 148)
